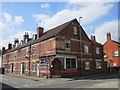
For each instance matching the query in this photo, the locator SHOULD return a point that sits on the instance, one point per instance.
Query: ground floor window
(70, 63)
(33, 66)
(18, 66)
(98, 64)
(14, 66)
(26, 66)
(87, 65)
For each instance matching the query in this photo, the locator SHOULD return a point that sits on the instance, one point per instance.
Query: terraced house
(64, 50)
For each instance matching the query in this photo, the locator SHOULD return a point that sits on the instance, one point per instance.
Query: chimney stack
(108, 36)
(9, 46)
(92, 38)
(39, 32)
(3, 50)
(26, 37)
(16, 42)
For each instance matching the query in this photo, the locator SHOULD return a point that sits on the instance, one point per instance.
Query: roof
(48, 34)
(116, 42)
(95, 42)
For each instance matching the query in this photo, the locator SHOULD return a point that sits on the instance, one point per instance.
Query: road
(102, 81)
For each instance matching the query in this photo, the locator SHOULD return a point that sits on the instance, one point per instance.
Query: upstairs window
(33, 50)
(67, 44)
(104, 53)
(75, 30)
(19, 52)
(14, 54)
(86, 50)
(115, 52)
(97, 50)
(87, 65)
(27, 51)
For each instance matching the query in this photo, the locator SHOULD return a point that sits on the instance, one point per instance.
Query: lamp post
(80, 45)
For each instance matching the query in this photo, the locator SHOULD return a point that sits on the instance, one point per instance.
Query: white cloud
(8, 18)
(18, 35)
(89, 13)
(46, 5)
(18, 20)
(101, 31)
(40, 16)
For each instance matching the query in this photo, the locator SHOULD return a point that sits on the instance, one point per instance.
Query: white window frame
(26, 66)
(19, 53)
(97, 50)
(115, 52)
(98, 62)
(15, 56)
(14, 66)
(75, 30)
(32, 50)
(33, 66)
(104, 54)
(86, 49)
(27, 52)
(69, 42)
(65, 63)
(87, 65)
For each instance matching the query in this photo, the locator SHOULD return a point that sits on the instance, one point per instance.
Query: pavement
(91, 81)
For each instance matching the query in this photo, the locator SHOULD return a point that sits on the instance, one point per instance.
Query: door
(56, 67)
(38, 69)
(21, 68)
(11, 68)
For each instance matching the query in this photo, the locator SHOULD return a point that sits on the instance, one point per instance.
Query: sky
(98, 18)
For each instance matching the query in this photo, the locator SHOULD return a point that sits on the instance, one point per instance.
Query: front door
(38, 69)
(56, 67)
(11, 68)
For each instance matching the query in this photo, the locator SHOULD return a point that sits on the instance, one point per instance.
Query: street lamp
(80, 45)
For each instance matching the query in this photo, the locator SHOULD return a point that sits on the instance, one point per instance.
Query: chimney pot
(92, 38)
(39, 32)
(108, 36)
(9, 46)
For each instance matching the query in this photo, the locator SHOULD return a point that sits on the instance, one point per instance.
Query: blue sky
(18, 17)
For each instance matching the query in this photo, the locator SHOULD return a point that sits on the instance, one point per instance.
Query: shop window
(70, 63)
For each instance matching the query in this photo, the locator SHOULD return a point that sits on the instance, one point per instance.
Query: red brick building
(65, 50)
(112, 52)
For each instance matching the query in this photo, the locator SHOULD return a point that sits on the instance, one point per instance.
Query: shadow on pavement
(7, 87)
(97, 77)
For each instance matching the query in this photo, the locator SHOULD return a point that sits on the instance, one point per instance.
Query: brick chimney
(108, 36)
(9, 46)
(3, 50)
(26, 37)
(92, 38)
(39, 32)
(16, 42)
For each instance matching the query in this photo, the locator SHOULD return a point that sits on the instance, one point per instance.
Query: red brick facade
(112, 52)
(65, 50)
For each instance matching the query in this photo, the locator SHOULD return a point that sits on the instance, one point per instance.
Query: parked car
(2, 70)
